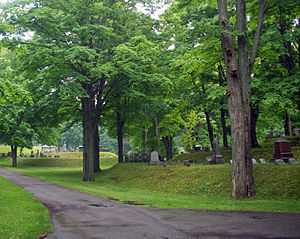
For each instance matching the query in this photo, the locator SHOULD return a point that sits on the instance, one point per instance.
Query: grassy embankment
(21, 216)
(265, 152)
(199, 186)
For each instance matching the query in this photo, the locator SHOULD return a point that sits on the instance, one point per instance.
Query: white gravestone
(262, 161)
(154, 158)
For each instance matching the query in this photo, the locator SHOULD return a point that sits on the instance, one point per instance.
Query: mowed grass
(65, 160)
(175, 186)
(21, 216)
(72, 159)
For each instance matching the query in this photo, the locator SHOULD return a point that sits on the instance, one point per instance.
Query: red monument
(282, 150)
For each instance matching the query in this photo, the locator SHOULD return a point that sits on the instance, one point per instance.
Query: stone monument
(282, 151)
(217, 157)
(154, 158)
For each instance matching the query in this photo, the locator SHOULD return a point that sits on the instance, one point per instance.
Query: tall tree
(73, 45)
(15, 106)
(239, 66)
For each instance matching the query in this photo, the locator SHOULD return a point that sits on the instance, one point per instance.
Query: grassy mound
(199, 186)
(273, 182)
(21, 216)
(265, 152)
(66, 159)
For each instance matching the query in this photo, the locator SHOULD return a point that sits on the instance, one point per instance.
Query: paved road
(77, 215)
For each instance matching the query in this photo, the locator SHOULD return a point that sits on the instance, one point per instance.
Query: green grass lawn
(21, 216)
(65, 160)
(175, 186)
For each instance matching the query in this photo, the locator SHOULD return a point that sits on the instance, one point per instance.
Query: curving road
(78, 215)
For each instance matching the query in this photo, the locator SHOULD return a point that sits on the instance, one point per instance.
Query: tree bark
(254, 118)
(288, 131)
(223, 111)
(259, 28)
(120, 133)
(209, 129)
(168, 142)
(242, 179)
(224, 128)
(14, 156)
(89, 128)
(97, 149)
(244, 75)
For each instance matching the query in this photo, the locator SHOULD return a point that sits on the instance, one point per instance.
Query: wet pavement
(77, 215)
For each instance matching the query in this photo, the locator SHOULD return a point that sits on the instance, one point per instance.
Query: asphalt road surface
(78, 215)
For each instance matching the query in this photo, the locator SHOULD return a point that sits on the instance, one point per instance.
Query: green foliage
(15, 106)
(189, 137)
(161, 78)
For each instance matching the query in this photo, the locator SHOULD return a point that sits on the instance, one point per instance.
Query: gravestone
(262, 161)
(197, 148)
(297, 131)
(282, 150)
(154, 158)
(254, 161)
(139, 157)
(279, 161)
(187, 163)
(217, 157)
(130, 156)
(293, 161)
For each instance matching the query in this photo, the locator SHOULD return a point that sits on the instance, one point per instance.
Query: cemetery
(149, 119)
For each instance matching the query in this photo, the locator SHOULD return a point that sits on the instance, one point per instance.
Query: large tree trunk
(254, 118)
(14, 152)
(209, 129)
(244, 75)
(168, 142)
(120, 133)
(89, 128)
(97, 149)
(242, 179)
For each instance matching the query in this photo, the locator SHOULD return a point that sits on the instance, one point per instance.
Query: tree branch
(259, 28)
